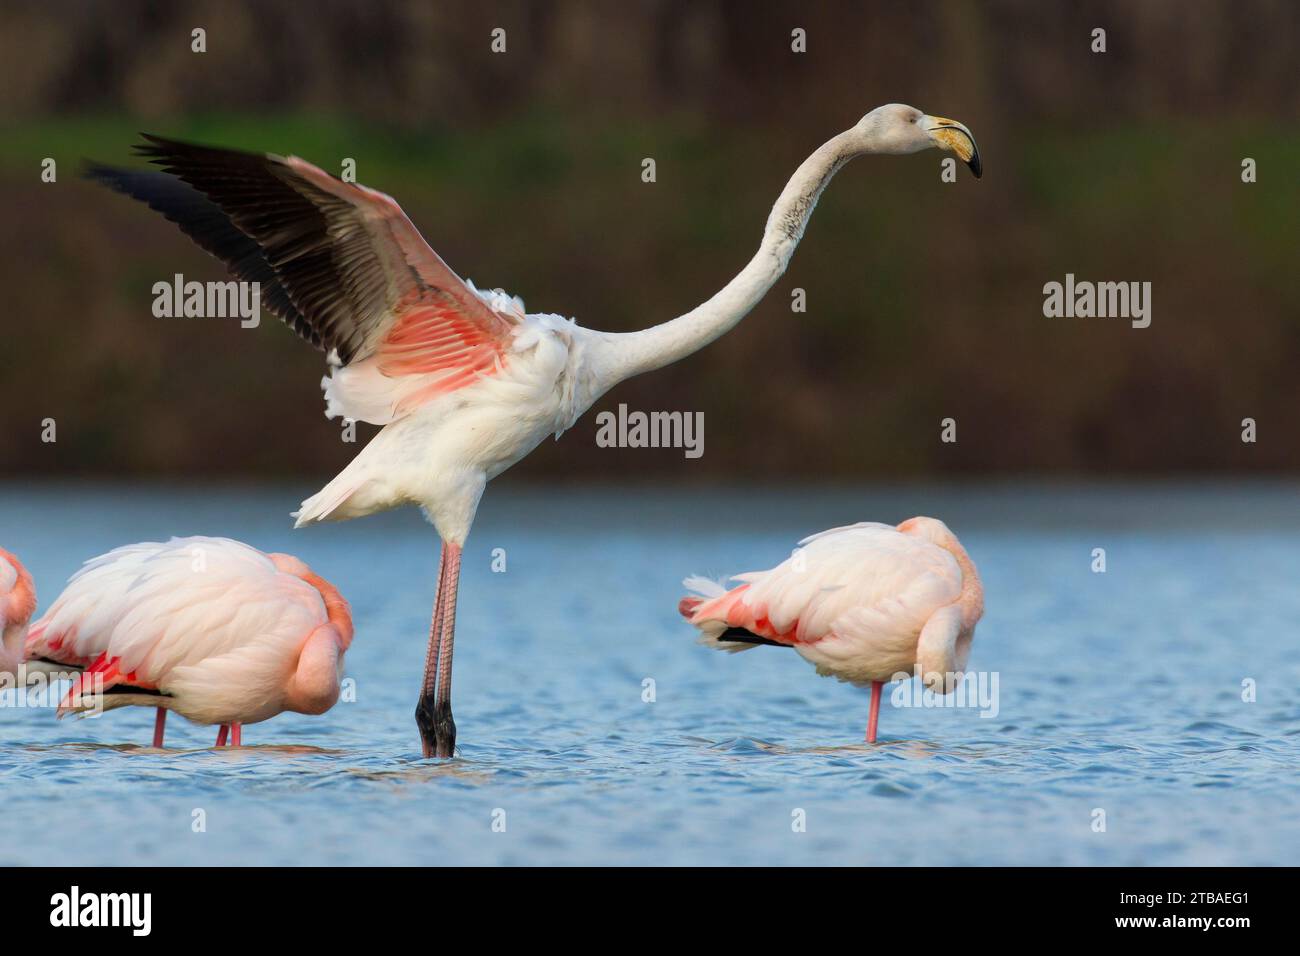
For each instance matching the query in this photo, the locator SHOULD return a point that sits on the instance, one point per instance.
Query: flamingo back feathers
(852, 600)
(209, 621)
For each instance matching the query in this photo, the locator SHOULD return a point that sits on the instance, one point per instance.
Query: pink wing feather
(340, 263)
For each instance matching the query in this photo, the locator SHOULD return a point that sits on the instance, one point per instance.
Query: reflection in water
(248, 750)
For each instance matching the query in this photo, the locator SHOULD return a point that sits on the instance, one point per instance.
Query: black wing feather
(316, 242)
(738, 635)
(205, 222)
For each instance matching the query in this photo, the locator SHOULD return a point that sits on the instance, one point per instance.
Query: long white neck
(620, 356)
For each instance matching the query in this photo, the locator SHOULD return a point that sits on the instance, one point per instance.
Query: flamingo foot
(159, 722)
(873, 718)
(446, 730)
(221, 735)
(426, 720)
(433, 709)
(437, 729)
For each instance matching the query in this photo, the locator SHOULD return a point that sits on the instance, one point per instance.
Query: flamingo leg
(873, 718)
(236, 735)
(445, 725)
(159, 722)
(425, 707)
(221, 735)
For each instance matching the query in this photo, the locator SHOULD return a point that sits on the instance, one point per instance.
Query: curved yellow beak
(954, 137)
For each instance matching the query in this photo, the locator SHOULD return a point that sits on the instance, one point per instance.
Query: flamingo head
(288, 564)
(972, 590)
(899, 128)
(336, 607)
(931, 529)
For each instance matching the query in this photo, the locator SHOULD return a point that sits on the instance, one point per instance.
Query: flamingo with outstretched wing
(464, 382)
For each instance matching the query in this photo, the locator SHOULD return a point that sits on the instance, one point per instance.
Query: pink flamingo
(863, 603)
(17, 604)
(464, 382)
(208, 627)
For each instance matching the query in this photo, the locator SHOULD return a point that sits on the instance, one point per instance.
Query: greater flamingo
(17, 604)
(464, 382)
(208, 627)
(862, 603)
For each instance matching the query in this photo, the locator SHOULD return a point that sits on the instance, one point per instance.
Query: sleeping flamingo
(464, 382)
(208, 627)
(17, 603)
(863, 603)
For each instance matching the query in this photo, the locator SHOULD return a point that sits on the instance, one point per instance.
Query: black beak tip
(976, 166)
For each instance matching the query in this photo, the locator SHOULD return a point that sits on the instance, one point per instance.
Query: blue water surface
(1120, 694)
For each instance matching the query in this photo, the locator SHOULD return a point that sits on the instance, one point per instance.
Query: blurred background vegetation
(523, 170)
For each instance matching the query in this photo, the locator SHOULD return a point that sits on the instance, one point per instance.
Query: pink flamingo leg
(433, 710)
(236, 734)
(447, 726)
(874, 717)
(424, 707)
(159, 722)
(221, 735)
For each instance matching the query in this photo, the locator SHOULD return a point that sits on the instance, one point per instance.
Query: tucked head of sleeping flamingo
(899, 128)
(17, 603)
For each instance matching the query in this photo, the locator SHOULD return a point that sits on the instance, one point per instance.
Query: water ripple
(1105, 705)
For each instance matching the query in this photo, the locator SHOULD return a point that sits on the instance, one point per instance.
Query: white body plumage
(441, 454)
(208, 627)
(862, 603)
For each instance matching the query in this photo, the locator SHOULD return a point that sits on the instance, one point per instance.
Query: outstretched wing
(204, 222)
(340, 263)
